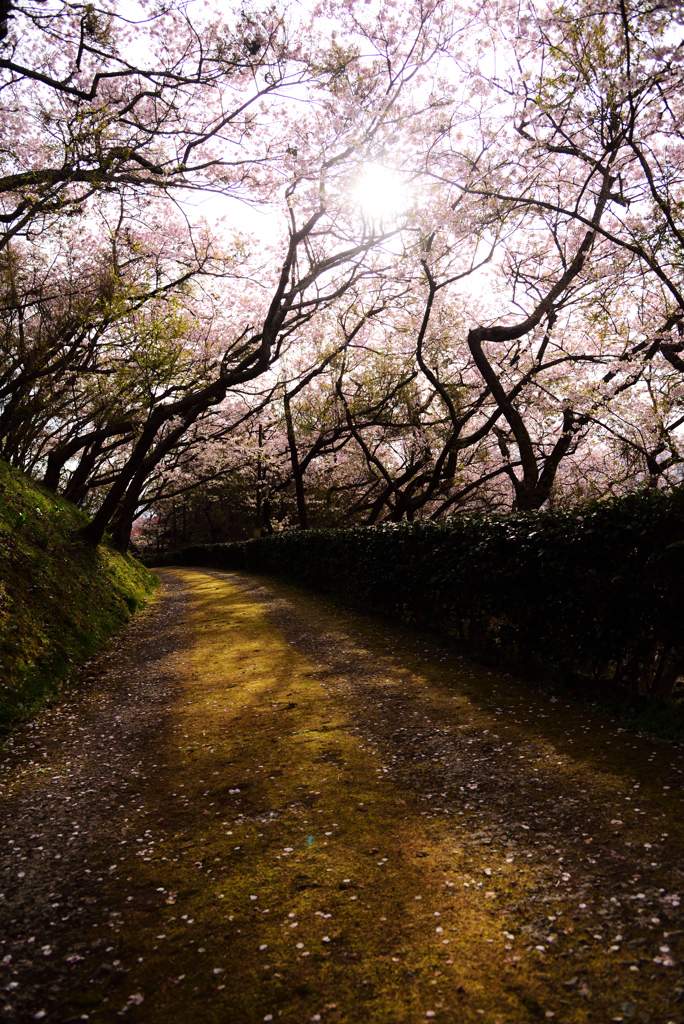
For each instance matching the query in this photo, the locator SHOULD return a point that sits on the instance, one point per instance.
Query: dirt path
(257, 807)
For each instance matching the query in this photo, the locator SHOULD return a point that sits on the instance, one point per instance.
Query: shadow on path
(258, 807)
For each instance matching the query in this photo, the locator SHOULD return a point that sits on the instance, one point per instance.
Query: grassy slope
(59, 600)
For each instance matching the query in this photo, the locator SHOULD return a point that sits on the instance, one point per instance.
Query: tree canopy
(362, 263)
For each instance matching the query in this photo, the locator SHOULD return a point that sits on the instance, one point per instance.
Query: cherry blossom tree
(158, 101)
(506, 333)
(586, 100)
(185, 117)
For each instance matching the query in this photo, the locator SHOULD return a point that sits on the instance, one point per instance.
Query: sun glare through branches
(380, 193)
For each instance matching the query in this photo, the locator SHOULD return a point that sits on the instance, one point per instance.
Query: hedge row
(594, 592)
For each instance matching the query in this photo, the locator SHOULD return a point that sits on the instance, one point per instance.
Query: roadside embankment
(59, 599)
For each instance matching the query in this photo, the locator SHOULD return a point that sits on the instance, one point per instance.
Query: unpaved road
(258, 807)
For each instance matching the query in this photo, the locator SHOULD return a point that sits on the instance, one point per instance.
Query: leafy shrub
(594, 593)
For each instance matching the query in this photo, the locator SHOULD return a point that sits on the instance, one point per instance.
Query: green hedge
(595, 592)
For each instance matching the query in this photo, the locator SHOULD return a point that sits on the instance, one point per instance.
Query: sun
(380, 193)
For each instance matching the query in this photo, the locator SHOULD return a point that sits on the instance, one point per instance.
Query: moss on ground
(59, 599)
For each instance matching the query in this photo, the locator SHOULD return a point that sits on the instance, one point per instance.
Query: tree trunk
(77, 488)
(95, 530)
(297, 474)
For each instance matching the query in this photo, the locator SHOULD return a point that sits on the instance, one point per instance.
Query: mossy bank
(59, 599)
